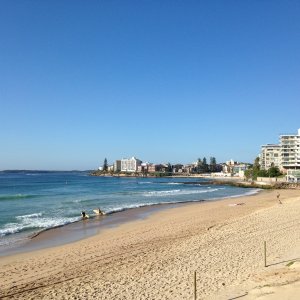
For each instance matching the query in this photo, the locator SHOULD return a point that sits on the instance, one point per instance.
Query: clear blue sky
(161, 80)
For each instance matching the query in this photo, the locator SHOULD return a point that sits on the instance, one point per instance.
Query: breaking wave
(177, 192)
(35, 221)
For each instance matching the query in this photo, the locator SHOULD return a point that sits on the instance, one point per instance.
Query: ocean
(32, 201)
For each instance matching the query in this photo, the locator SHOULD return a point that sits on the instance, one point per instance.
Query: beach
(156, 257)
(32, 202)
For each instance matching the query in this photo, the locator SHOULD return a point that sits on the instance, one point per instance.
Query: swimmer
(84, 215)
(98, 212)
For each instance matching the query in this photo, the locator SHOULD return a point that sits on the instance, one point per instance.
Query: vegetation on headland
(249, 180)
(245, 184)
(105, 165)
(164, 170)
(255, 171)
(203, 167)
(252, 184)
(132, 174)
(219, 181)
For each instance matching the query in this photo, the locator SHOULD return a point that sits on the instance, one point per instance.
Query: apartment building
(117, 165)
(270, 155)
(290, 151)
(143, 167)
(130, 164)
(232, 167)
(285, 155)
(152, 168)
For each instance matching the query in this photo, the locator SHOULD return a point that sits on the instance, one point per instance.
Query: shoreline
(156, 257)
(81, 229)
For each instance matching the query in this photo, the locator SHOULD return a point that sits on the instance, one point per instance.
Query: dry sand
(156, 258)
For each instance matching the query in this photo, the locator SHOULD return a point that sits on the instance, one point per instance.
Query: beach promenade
(155, 258)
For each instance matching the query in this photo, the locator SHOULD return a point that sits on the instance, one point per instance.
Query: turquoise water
(33, 201)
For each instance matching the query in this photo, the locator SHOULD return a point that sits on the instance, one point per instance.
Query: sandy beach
(155, 258)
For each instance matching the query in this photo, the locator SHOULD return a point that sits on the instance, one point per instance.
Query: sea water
(34, 201)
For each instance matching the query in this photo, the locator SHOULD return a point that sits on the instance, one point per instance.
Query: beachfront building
(285, 156)
(226, 169)
(231, 162)
(153, 168)
(178, 168)
(233, 168)
(189, 168)
(143, 167)
(290, 151)
(270, 155)
(130, 164)
(110, 168)
(293, 175)
(239, 169)
(117, 165)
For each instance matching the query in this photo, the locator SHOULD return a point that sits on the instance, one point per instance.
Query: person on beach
(278, 195)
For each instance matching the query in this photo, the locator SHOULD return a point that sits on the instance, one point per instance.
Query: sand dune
(156, 258)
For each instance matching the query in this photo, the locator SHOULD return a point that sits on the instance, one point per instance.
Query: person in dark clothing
(84, 215)
(279, 201)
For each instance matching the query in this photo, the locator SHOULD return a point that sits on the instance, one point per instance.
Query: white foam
(27, 223)
(177, 192)
(113, 209)
(130, 206)
(252, 192)
(34, 215)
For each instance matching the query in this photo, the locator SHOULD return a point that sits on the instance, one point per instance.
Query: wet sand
(155, 257)
(83, 229)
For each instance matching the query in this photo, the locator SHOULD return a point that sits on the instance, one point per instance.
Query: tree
(256, 168)
(105, 166)
(213, 164)
(213, 161)
(204, 165)
(274, 172)
(199, 166)
(256, 163)
(254, 171)
(169, 169)
(249, 173)
(262, 173)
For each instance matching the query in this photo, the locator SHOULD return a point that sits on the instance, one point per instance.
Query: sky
(165, 81)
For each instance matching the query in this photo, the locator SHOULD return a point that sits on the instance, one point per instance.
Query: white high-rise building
(290, 151)
(270, 155)
(130, 164)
